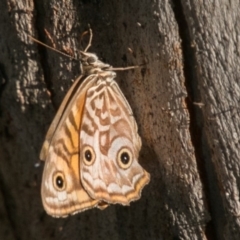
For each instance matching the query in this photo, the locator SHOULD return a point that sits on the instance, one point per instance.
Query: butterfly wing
(62, 191)
(109, 146)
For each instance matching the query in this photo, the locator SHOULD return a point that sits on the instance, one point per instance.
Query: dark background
(185, 100)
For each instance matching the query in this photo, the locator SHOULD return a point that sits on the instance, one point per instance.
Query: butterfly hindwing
(110, 146)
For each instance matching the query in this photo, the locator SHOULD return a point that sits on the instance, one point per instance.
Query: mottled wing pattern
(110, 145)
(59, 118)
(62, 191)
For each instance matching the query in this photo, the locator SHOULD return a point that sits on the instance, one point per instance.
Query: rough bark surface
(214, 30)
(185, 101)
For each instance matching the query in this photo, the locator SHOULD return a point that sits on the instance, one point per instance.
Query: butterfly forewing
(62, 191)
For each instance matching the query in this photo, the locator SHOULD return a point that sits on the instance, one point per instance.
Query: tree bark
(185, 100)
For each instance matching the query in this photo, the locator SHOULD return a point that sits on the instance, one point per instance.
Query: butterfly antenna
(127, 68)
(124, 68)
(90, 39)
(54, 49)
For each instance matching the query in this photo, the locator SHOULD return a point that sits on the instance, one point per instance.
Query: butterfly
(92, 146)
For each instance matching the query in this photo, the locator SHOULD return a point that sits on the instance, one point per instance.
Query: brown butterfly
(91, 148)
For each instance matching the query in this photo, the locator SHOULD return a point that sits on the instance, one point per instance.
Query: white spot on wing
(136, 177)
(103, 140)
(126, 189)
(98, 183)
(114, 188)
(62, 196)
(98, 103)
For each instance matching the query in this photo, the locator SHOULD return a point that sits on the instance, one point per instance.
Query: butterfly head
(91, 64)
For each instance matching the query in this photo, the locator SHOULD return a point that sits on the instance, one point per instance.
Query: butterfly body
(92, 146)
